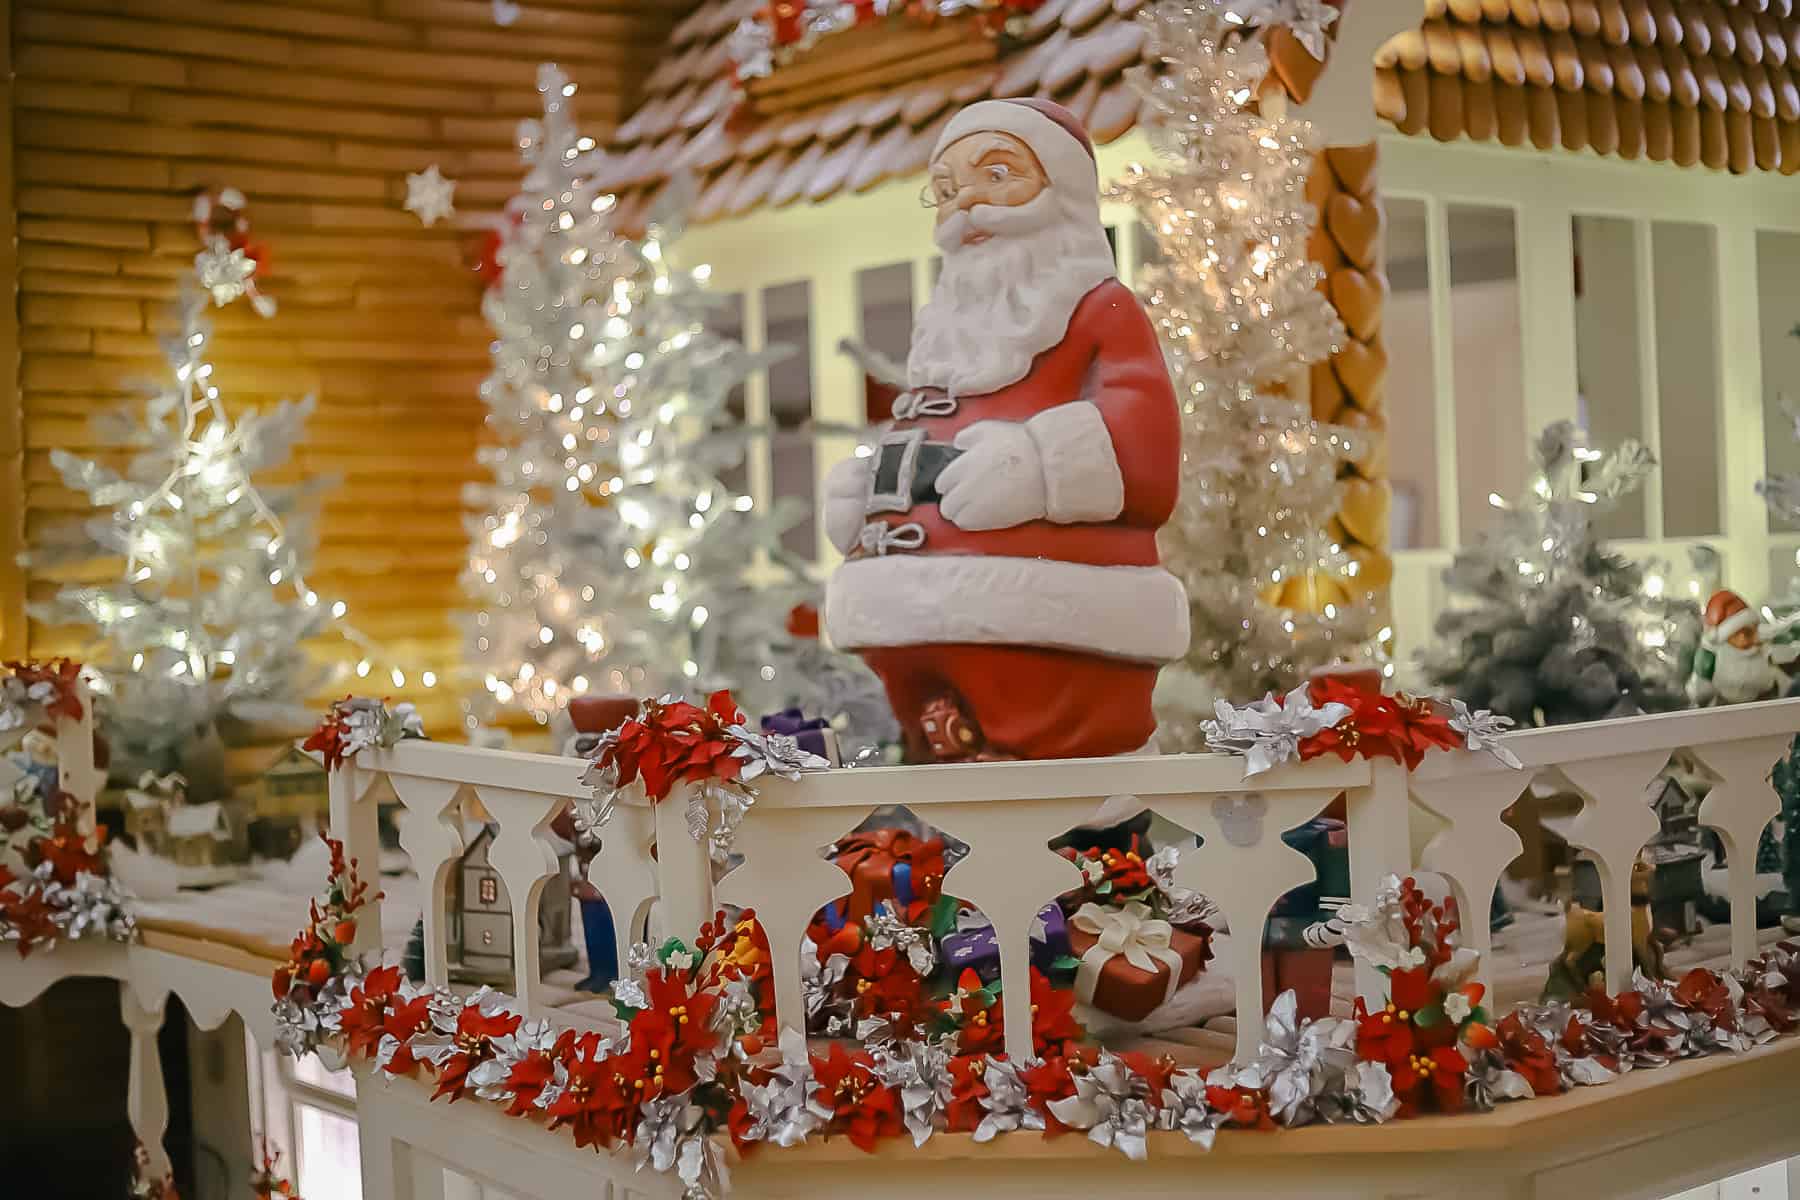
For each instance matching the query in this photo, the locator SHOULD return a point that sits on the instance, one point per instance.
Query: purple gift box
(973, 943)
(813, 734)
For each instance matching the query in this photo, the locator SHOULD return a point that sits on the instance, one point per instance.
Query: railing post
(1739, 807)
(1379, 821)
(75, 770)
(684, 883)
(431, 834)
(146, 1098)
(354, 822)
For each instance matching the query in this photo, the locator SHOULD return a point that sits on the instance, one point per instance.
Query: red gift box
(1306, 972)
(872, 859)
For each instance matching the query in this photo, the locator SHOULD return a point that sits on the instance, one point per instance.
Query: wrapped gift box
(812, 734)
(890, 864)
(975, 945)
(1112, 981)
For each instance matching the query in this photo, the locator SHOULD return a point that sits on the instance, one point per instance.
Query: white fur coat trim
(1138, 613)
(1081, 469)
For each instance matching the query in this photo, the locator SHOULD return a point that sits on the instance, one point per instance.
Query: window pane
(1684, 264)
(329, 1162)
(309, 1070)
(1611, 400)
(788, 311)
(1487, 361)
(1412, 399)
(884, 298)
(1778, 300)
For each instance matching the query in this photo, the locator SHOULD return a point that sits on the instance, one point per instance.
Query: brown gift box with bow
(1130, 993)
(870, 858)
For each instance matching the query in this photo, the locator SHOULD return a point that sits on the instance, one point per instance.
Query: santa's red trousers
(1028, 701)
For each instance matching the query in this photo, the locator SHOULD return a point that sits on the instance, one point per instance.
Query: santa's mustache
(994, 220)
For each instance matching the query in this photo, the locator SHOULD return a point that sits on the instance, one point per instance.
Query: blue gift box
(974, 944)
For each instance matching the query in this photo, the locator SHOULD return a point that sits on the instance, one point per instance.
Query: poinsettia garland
(355, 723)
(774, 33)
(267, 1182)
(1335, 715)
(66, 893)
(700, 1059)
(672, 741)
(33, 691)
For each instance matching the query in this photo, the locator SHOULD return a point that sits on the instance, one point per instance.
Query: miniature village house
(481, 925)
(285, 804)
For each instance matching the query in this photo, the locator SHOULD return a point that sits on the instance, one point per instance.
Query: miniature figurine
(1739, 659)
(1001, 541)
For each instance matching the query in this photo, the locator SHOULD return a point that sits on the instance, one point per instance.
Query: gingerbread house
(1532, 211)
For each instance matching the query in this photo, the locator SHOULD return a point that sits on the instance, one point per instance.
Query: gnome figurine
(1738, 659)
(1001, 572)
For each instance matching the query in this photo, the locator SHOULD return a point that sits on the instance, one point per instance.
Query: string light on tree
(608, 553)
(205, 622)
(1272, 593)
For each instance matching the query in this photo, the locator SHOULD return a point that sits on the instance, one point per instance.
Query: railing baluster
(1615, 823)
(1474, 852)
(525, 863)
(623, 872)
(1739, 807)
(1244, 866)
(75, 770)
(784, 878)
(1379, 827)
(146, 1097)
(431, 835)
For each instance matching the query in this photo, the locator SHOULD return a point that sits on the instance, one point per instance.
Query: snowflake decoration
(428, 195)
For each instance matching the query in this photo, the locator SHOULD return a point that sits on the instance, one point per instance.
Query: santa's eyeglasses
(944, 190)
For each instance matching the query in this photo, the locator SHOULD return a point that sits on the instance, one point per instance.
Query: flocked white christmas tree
(608, 554)
(203, 624)
(1272, 596)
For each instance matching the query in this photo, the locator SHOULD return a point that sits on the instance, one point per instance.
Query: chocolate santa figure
(1738, 659)
(1001, 572)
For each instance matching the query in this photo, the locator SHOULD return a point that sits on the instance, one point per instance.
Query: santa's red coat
(1091, 587)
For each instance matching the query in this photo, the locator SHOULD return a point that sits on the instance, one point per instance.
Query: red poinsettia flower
(862, 1107)
(676, 742)
(1053, 1021)
(1047, 1081)
(68, 852)
(62, 675)
(362, 1017)
(405, 1018)
(1412, 989)
(1702, 990)
(1244, 1108)
(533, 1073)
(1384, 1036)
(1422, 725)
(474, 1040)
(30, 916)
(328, 738)
(884, 985)
(600, 1101)
(1524, 1050)
(967, 1089)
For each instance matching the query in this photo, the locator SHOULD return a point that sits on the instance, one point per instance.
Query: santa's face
(995, 169)
(1019, 254)
(1743, 639)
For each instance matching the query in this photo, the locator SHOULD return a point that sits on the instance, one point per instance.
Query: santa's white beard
(1002, 302)
(1744, 672)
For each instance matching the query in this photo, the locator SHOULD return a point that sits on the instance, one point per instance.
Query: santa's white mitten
(846, 501)
(996, 482)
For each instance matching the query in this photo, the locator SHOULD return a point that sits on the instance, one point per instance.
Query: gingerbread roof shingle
(1694, 82)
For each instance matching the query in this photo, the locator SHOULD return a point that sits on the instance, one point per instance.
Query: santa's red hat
(1727, 614)
(1054, 134)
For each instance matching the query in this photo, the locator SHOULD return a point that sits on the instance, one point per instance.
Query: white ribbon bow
(1130, 931)
(909, 405)
(877, 538)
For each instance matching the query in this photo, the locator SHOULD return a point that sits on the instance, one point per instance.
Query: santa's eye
(999, 173)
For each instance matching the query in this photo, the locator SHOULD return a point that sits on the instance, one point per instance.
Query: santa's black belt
(906, 471)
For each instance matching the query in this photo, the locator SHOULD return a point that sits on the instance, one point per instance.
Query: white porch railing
(1008, 812)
